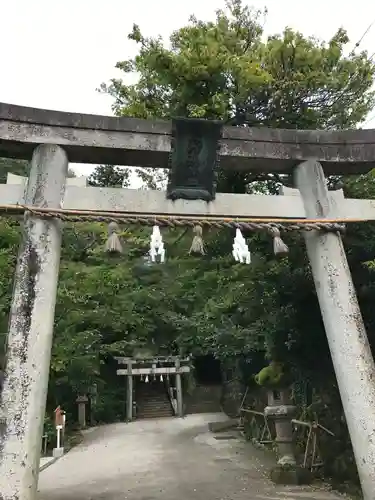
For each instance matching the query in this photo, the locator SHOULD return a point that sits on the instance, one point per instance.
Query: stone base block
(57, 452)
(290, 475)
(223, 426)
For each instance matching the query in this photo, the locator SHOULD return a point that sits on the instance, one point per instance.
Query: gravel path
(169, 459)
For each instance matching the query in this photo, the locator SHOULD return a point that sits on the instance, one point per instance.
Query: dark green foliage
(16, 167)
(109, 176)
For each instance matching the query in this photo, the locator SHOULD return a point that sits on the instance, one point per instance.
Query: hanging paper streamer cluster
(241, 251)
(156, 253)
(156, 245)
(147, 378)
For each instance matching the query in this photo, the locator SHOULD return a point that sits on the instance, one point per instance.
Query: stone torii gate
(51, 139)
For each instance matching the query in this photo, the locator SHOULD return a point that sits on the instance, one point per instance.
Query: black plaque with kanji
(194, 159)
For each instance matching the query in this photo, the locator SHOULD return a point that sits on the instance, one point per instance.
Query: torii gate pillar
(24, 394)
(346, 334)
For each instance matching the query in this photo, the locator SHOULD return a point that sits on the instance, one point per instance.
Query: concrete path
(167, 459)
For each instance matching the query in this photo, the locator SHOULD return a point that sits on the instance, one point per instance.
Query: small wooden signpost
(60, 430)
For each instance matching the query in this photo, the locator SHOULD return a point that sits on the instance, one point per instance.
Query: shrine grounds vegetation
(243, 315)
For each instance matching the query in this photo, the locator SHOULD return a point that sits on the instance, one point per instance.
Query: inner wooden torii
(153, 366)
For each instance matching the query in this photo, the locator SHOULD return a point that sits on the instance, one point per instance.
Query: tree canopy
(225, 69)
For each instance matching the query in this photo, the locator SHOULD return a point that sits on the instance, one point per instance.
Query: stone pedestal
(58, 452)
(281, 411)
(82, 402)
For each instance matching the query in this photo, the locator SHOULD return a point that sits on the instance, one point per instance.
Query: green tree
(223, 69)
(16, 167)
(109, 176)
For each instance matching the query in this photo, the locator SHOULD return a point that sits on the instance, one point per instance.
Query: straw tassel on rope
(279, 247)
(197, 246)
(113, 243)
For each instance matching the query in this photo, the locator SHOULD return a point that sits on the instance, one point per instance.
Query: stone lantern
(281, 410)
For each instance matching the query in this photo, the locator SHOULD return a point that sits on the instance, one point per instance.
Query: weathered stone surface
(280, 411)
(130, 141)
(290, 475)
(223, 426)
(347, 338)
(23, 397)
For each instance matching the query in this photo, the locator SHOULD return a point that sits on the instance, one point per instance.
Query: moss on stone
(272, 376)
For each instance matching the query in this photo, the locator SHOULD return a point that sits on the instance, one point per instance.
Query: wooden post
(347, 338)
(29, 341)
(93, 401)
(129, 394)
(180, 412)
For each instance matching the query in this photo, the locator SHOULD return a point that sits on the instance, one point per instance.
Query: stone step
(152, 397)
(223, 426)
(150, 402)
(159, 407)
(144, 409)
(159, 400)
(154, 409)
(203, 405)
(153, 401)
(203, 409)
(197, 412)
(161, 415)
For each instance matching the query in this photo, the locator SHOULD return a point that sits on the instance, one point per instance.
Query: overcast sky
(54, 54)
